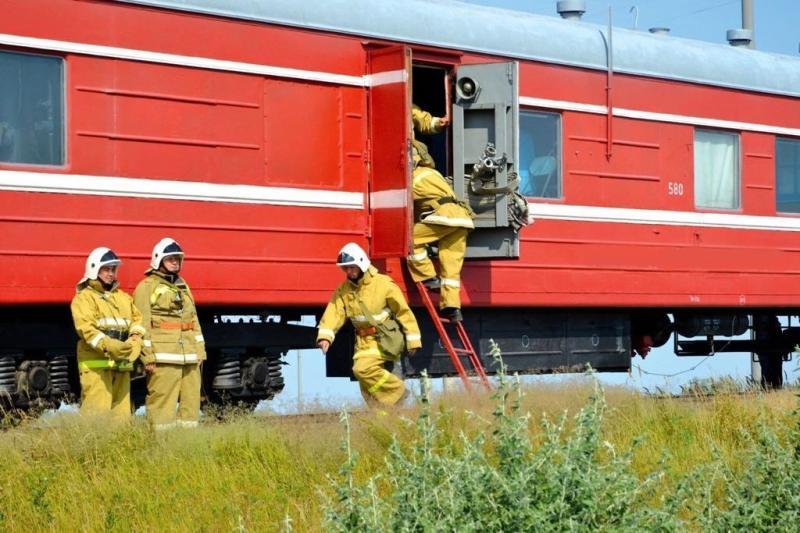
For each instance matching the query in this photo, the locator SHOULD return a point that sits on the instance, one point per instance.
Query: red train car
(662, 175)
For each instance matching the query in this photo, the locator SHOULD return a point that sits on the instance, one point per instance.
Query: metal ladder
(447, 342)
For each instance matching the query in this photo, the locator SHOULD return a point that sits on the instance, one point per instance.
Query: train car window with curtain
(31, 109)
(716, 169)
(540, 154)
(787, 175)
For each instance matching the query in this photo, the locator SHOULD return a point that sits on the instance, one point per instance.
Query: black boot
(453, 314)
(433, 284)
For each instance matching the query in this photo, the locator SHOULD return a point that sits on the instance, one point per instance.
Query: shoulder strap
(367, 314)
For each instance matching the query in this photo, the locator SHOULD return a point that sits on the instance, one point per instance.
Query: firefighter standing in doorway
(109, 337)
(367, 291)
(173, 344)
(439, 218)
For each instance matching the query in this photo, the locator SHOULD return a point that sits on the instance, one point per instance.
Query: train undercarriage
(38, 367)
(246, 349)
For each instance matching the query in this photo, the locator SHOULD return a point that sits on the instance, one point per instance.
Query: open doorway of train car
(429, 92)
(479, 149)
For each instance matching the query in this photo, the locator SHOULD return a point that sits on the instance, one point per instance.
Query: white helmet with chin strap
(352, 254)
(164, 248)
(98, 258)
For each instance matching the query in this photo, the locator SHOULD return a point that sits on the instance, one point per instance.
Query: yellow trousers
(378, 385)
(169, 385)
(452, 246)
(106, 392)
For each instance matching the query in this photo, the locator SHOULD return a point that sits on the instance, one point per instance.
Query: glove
(136, 347)
(116, 349)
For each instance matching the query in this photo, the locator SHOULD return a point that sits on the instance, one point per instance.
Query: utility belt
(117, 334)
(427, 206)
(182, 326)
(367, 331)
(430, 204)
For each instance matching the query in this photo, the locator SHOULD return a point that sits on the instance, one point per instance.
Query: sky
(777, 22)
(777, 30)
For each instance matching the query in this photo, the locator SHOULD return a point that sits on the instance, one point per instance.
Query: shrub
(501, 480)
(764, 495)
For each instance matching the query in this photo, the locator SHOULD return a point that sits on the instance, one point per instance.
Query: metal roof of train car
(456, 25)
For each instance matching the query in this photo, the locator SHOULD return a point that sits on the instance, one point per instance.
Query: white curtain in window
(715, 170)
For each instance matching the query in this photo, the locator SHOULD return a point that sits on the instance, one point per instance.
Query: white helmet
(353, 254)
(164, 248)
(98, 258)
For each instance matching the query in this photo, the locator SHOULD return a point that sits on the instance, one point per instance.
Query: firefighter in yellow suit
(110, 333)
(173, 344)
(381, 297)
(439, 218)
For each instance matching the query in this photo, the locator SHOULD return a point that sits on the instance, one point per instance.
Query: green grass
(627, 461)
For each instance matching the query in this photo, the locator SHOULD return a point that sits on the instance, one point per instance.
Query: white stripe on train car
(622, 215)
(13, 180)
(132, 54)
(657, 117)
(386, 78)
(390, 199)
(252, 194)
(368, 80)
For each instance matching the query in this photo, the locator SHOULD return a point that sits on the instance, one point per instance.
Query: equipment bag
(391, 339)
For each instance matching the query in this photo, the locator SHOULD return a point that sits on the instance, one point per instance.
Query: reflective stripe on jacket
(170, 317)
(98, 314)
(381, 296)
(103, 364)
(428, 186)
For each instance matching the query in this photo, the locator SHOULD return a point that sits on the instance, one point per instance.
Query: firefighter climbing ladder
(447, 342)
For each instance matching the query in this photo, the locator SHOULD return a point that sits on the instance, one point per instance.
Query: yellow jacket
(102, 319)
(436, 203)
(381, 296)
(170, 318)
(426, 124)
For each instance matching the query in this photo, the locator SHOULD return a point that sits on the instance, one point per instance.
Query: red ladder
(455, 353)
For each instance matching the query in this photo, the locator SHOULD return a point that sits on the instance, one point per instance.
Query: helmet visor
(345, 259)
(109, 258)
(172, 249)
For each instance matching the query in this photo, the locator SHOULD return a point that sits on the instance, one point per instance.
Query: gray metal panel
(491, 116)
(518, 35)
(532, 342)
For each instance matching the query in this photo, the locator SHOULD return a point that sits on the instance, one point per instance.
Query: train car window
(540, 154)
(31, 109)
(787, 175)
(716, 169)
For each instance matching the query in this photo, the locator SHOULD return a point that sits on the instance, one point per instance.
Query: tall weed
(501, 480)
(565, 457)
(764, 493)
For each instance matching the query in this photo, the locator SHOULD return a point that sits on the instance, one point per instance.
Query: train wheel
(653, 323)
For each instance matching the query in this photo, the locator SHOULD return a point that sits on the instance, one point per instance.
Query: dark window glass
(31, 109)
(787, 175)
(540, 154)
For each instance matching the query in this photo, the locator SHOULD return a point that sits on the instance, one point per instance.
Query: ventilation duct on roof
(571, 9)
(740, 37)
